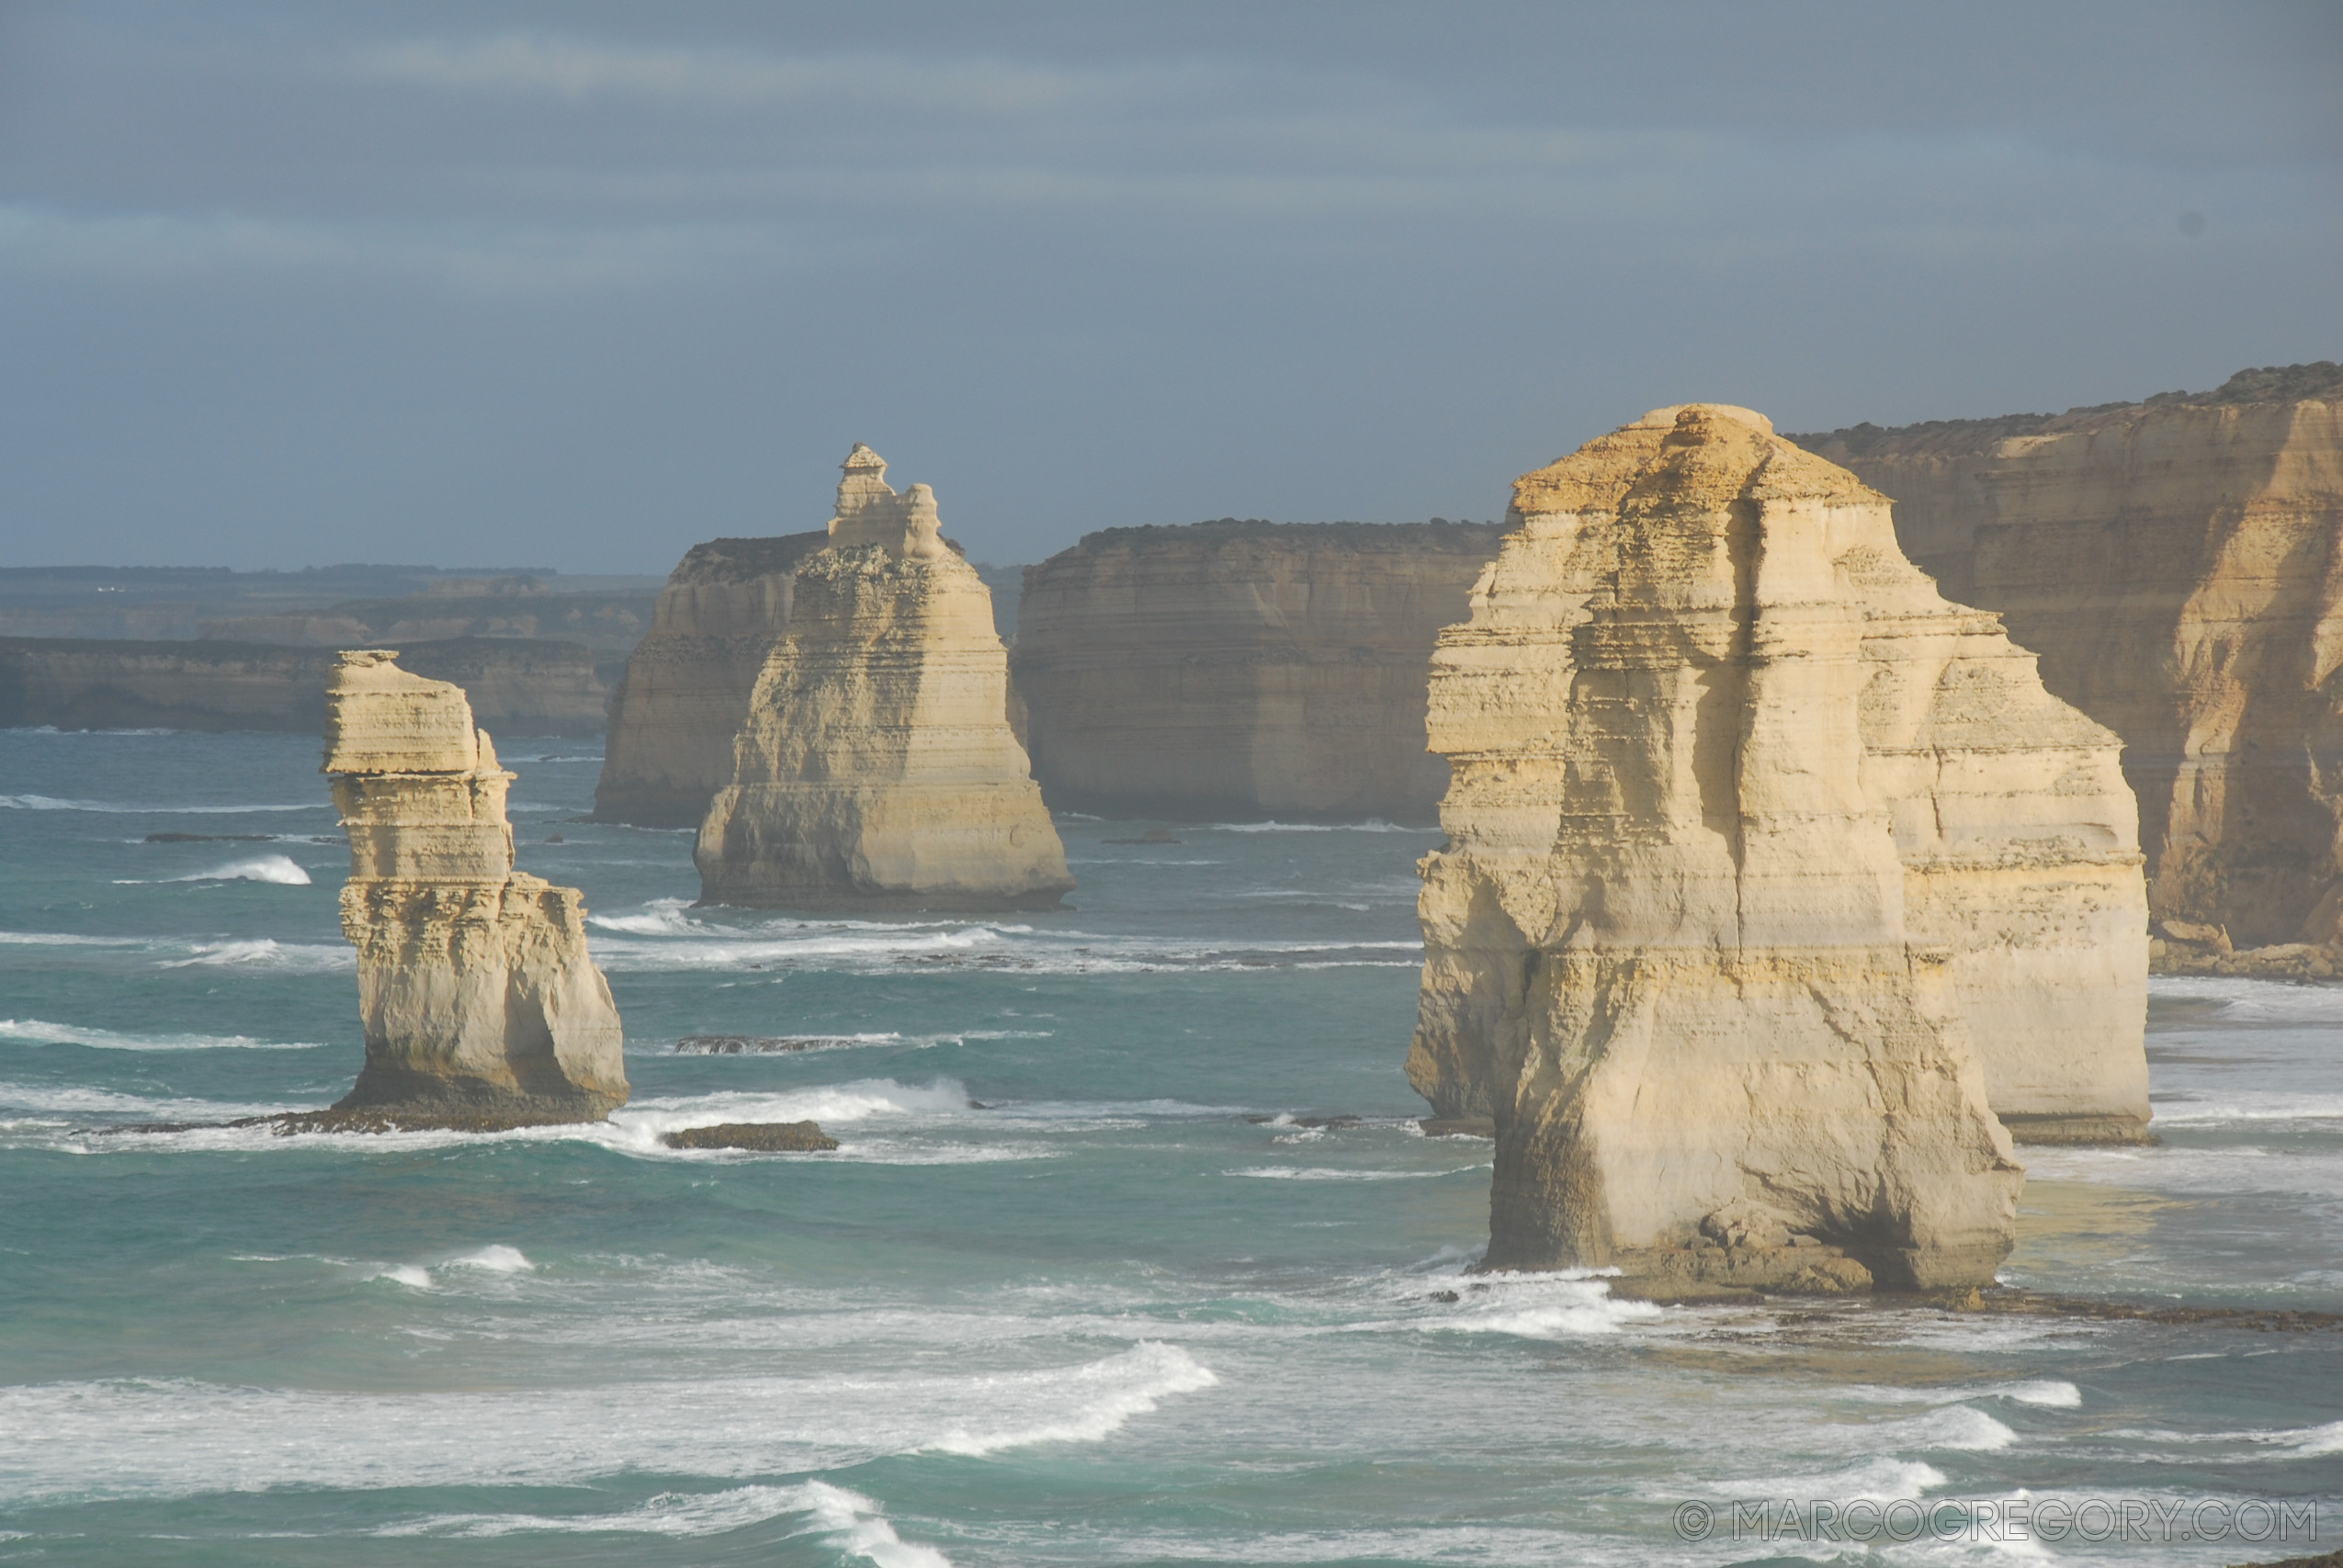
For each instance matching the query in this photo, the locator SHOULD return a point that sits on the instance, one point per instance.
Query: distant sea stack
(1755, 847)
(877, 768)
(1242, 669)
(685, 692)
(2177, 564)
(482, 1007)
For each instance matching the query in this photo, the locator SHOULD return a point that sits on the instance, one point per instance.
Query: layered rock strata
(876, 767)
(529, 688)
(685, 694)
(1242, 669)
(1765, 865)
(481, 1005)
(2178, 565)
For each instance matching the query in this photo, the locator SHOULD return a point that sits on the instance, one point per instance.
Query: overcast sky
(577, 285)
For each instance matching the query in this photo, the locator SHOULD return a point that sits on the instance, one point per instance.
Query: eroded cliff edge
(876, 767)
(1242, 668)
(481, 1005)
(1756, 848)
(2177, 564)
(685, 694)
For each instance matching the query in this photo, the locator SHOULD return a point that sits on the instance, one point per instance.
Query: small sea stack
(482, 1007)
(877, 768)
(1757, 855)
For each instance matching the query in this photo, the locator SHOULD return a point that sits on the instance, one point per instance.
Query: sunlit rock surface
(481, 1005)
(1757, 852)
(876, 767)
(2178, 565)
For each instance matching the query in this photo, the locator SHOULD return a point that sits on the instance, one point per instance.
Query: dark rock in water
(1152, 836)
(553, 837)
(209, 838)
(1443, 1296)
(450, 1114)
(1458, 1126)
(762, 1137)
(754, 1045)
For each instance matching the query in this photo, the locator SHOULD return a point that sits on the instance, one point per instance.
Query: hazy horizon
(582, 285)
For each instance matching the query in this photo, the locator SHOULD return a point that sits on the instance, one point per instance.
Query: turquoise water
(1057, 1299)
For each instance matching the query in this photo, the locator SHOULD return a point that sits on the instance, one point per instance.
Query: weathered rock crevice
(1770, 876)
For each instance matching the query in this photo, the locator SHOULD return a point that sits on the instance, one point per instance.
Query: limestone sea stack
(1242, 669)
(2178, 563)
(1753, 843)
(877, 768)
(482, 1007)
(685, 692)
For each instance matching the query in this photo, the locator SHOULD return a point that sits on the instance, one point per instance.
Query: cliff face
(482, 1007)
(1242, 669)
(876, 767)
(529, 688)
(2178, 567)
(685, 692)
(1754, 842)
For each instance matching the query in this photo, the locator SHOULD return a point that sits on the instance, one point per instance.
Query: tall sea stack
(877, 768)
(482, 1007)
(1753, 843)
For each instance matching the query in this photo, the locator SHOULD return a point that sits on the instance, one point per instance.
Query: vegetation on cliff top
(2320, 379)
(1439, 534)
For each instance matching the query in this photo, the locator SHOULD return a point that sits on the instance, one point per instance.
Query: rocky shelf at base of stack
(482, 1008)
(877, 768)
(1766, 870)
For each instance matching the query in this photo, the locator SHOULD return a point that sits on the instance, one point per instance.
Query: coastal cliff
(687, 684)
(1756, 847)
(876, 767)
(2178, 565)
(1242, 668)
(526, 688)
(481, 1005)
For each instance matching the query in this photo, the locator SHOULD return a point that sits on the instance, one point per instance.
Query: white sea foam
(1092, 1401)
(268, 954)
(2252, 1001)
(2213, 1111)
(1961, 1428)
(1882, 1480)
(869, 947)
(36, 1032)
(282, 870)
(2051, 1393)
(853, 1520)
(411, 1275)
(495, 1258)
(1567, 1305)
(64, 939)
(178, 1438)
(54, 803)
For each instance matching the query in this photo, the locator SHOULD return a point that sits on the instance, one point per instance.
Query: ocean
(1082, 1285)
